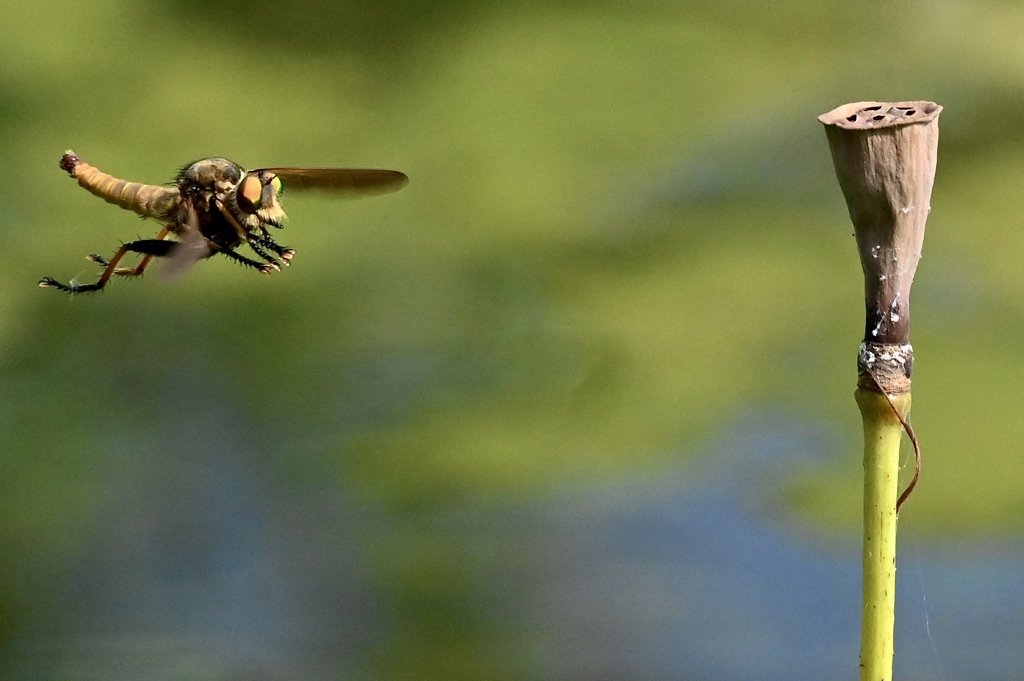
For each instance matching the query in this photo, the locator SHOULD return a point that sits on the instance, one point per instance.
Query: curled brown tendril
(913, 440)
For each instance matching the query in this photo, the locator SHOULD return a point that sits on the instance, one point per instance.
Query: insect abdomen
(148, 200)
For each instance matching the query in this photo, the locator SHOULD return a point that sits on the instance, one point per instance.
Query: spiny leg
(271, 260)
(254, 242)
(240, 230)
(138, 269)
(148, 247)
(146, 259)
(283, 252)
(264, 268)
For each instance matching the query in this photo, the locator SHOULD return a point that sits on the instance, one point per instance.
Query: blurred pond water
(206, 572)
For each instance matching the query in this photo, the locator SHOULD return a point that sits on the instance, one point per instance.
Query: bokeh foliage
(621, 230)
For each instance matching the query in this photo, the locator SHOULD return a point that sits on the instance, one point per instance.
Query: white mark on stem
(896, 356)
(867, 358)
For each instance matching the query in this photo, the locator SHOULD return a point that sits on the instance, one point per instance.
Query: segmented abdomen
(148, 200)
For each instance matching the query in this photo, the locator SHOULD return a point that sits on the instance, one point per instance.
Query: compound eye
(276, 184)
(249, 194)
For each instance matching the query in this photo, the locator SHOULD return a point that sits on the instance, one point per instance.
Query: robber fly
(214, 207)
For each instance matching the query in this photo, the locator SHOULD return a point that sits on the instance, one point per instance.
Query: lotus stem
(884, 155)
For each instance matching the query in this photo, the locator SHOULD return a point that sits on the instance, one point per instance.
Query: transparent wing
(342, 182)
(192, 248)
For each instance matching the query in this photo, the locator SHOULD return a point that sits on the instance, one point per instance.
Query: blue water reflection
(698, 577)
(209, 571)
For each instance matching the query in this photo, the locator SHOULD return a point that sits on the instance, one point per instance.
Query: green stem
(882, 431)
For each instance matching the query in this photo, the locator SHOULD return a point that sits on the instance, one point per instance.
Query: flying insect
(214, 206)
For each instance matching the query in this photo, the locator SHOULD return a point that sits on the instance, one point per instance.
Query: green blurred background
(576, 404)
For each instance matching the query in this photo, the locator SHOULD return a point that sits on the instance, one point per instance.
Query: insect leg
(146, 259)
(245, 235)
(263, 254)
(283, 252)
(138, 269)
(264, 268)
(149, 247)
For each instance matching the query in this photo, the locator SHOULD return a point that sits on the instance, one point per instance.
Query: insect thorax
(217, 175)
(216, 180)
